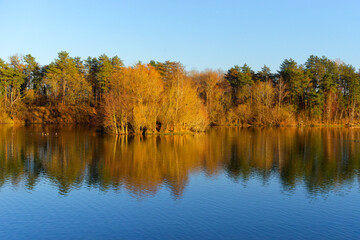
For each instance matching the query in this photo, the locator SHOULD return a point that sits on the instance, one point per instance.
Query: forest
(162, 97)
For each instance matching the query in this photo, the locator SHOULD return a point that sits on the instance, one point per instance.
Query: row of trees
(162, 96)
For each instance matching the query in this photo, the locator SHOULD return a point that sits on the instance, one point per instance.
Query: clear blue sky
(200, 34)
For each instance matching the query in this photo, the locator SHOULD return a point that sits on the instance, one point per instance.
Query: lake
(228, 183)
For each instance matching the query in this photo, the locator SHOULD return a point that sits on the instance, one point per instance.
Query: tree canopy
(164, 97)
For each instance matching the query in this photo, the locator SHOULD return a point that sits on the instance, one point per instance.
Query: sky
(199, 34)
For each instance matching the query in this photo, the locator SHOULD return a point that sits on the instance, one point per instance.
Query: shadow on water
(322, 159)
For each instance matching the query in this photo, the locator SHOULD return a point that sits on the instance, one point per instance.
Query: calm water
(227, 184)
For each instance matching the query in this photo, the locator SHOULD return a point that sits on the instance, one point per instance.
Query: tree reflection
(319, 158)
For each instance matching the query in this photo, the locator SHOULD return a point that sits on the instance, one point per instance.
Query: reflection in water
(322, 159)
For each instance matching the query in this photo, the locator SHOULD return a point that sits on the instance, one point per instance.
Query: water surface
(230, 183)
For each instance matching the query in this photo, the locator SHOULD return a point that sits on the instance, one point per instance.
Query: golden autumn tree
(133, 100)
(215, 92)
(263, 102)
(182, 109)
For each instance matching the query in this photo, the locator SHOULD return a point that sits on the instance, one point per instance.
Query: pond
(227, 183)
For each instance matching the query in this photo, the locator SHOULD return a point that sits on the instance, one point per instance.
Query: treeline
(163, 97)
